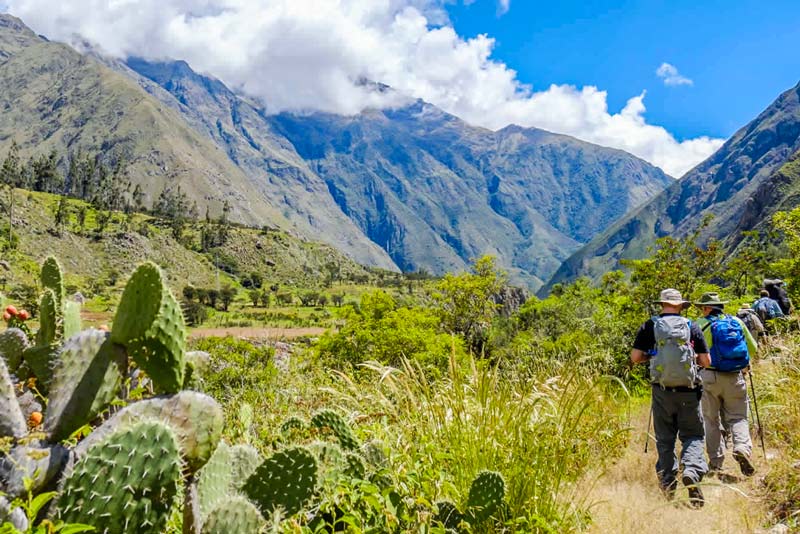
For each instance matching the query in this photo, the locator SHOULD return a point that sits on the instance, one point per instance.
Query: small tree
(212, 295)
(61, 215)
(337, 299)
(189, 293)
(255, 296)
(265, 299)
(322, 300)
(465, 302)
(226, 296)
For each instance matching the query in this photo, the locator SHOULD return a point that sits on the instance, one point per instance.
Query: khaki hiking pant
(725, 404)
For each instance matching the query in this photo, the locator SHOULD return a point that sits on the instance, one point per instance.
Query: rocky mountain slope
(429, 189)
(409, 188)
(755, 174)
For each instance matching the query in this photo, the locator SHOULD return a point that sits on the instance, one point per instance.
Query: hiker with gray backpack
(725, 398)
(675, 348)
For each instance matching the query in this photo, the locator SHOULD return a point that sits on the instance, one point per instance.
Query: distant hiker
(752, 321)
(724, 385)
(675, 346)
(778, 293)
(766, 307)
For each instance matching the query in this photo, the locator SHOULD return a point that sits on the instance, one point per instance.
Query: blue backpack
(728, 344)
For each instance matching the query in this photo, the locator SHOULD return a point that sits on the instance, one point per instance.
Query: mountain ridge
(749, 178)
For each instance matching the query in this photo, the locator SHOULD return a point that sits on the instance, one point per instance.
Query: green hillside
(103, 261)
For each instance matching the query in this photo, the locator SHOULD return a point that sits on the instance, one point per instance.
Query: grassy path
(628, 500)
(257, 332)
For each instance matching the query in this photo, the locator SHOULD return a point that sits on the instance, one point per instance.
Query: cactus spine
(485, 496)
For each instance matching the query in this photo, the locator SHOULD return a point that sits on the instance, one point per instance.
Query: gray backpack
(674, 363)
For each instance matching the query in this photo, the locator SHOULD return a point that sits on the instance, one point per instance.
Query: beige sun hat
(672, 297)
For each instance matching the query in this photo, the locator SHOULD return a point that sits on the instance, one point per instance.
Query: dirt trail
(628, 499)
(257, 333)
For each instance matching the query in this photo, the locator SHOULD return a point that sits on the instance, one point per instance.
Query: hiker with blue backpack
(725, 399)
(766, 307)
(675, 348)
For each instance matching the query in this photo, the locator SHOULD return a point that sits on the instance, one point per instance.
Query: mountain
(429, 189)
(405, 188)
(753, 175)
(52, 97)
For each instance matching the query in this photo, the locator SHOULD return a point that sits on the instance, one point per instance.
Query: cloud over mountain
(314, 54)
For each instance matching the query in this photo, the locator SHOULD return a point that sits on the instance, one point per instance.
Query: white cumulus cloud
(311, 54)
(669, 73)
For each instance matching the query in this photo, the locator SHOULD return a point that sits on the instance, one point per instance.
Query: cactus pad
(286, 480)
(85, 380)
(53, 279)
(449, 516)
(41, 360)
(244, 461)
(16, 516)
(12, 421)
(195, 418)
(40, 465)
(485, 496)
(375, 454)
(13, 343)
(150, 325)
(72, 319)
(236, 515)
(293, 427)
(215, 479)
(328, 420)
(355, 467)
(126, 483)
(49, 319)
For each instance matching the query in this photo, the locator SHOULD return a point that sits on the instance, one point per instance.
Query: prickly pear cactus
(215, 480)
(355, 466)
(293, 427)
(196, 419)
(150, 325)
(328, 420)
(53, 279)
(16, 516)
(485, 496)
(13, 343)
(449, 516)
(244, 462)
(285, 481)
(72, 319)
(236, 515)
(41, 360)
(374, 453)
(12, 422)
(39, 465)
(128, 482)
(85, 380)
(49, 319)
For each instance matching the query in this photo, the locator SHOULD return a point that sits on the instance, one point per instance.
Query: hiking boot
(696, 499)
(669, 490)
(744, 463)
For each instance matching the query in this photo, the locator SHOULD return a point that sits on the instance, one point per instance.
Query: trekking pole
(647, 431)
(758, 418)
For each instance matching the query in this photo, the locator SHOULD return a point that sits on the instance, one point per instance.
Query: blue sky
(740, 54)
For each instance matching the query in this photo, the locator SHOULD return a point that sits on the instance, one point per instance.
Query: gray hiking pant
(677, 414)
(725, 402)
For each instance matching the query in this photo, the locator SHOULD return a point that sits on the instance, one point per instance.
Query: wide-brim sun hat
(710, 299)
(672, 297)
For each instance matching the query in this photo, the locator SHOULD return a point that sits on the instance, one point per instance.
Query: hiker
(724, 384)
(778, 293)
(752, 321)
(766, 307)
(675, 347)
